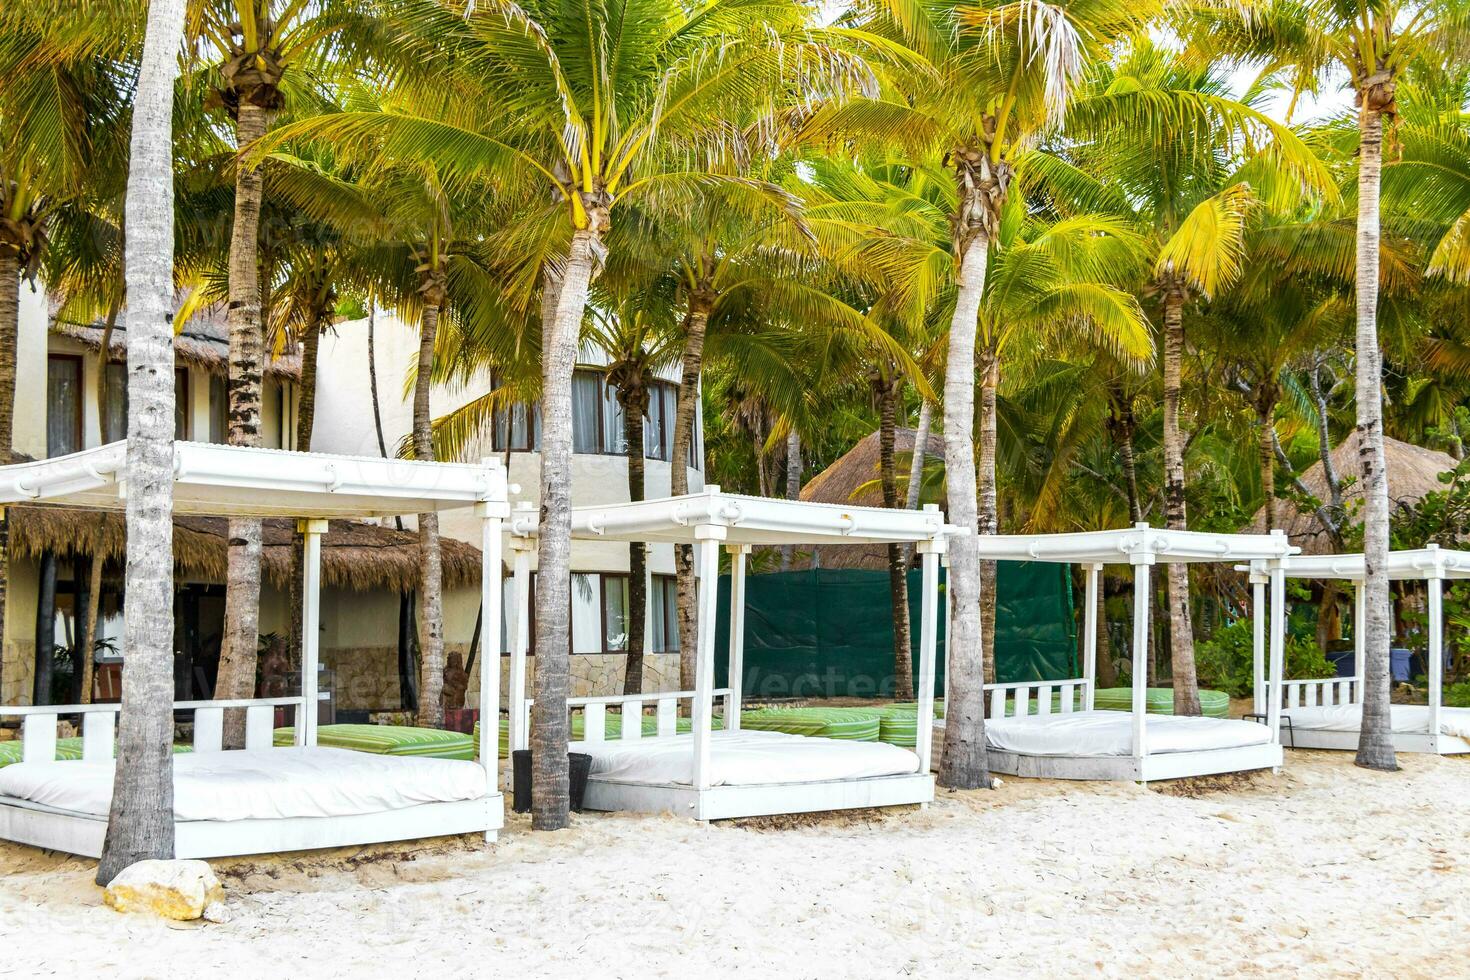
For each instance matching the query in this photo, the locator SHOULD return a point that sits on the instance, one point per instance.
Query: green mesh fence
(829, 632)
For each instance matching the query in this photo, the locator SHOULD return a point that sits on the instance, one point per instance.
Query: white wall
(344, 424)
(30, 373)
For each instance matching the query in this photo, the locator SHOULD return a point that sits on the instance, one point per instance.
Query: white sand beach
(1322, 870)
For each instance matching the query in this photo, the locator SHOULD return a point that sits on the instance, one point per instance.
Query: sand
(1322, 870)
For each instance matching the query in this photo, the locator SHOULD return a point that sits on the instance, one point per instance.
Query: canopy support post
(1278, 647)
(948, 623)
(492, 516)
(738, 553)
(1089, 642)
(1258, 639)
(1360, 645)
(929, 552)
(520, 640)
(311, 617)
(708, 538)
(1435, 587)
(1142, 563)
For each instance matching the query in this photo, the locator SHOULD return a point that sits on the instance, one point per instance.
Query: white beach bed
(1110, 733)
(1049, 729)
(745, 758)
(711, 774)
(1327, 712)
(261, 799)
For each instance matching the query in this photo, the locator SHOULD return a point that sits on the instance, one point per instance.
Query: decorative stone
(172, 889)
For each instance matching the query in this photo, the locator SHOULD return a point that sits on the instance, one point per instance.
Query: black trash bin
(579, 766)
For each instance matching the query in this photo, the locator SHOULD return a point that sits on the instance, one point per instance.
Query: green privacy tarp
(828, 632)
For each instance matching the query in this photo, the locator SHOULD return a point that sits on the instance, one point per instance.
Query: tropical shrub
(1225, 660)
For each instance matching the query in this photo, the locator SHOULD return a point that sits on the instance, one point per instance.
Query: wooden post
(708, 537)
(1258, 640)
(1089, 647)
(311, 617)
(1278, 648)
(520, 641)
(738, 553)
(491, 519)
(1435, 586)
(1142, 610)
(928, 642)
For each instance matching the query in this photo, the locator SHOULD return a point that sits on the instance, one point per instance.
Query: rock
(171, 889)
(216, 912)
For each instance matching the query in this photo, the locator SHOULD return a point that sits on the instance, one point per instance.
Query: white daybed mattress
(259, 784)
(1407, 719)
(745, 758)
(1097, 733)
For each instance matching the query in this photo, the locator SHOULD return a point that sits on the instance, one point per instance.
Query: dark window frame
(81, 397)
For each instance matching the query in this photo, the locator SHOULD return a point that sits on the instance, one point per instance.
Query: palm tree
(993, 77)
(639, 340)
(1304, 42)
(140, 824)
(260, 44)
(1191, 180)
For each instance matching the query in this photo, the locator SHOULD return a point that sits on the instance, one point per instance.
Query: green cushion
(389, 740)
(67, 750)
(852, 724)
(612, 727)
(1213, 704)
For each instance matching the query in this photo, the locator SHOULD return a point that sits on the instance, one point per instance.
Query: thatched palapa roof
(204, 343)
(1413, 471)
(852, 479)
(357, 556)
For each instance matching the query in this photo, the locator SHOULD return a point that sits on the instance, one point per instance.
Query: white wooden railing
(99, 724)
(666, 710)
(1320, 692)
(1014, 700)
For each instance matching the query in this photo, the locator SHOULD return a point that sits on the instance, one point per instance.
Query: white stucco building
(58, 411)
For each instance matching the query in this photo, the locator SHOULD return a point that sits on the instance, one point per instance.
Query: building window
(219, 409)
(615, 613)
(586, 613)
(115, 411)
(597, 421)
(63, 404)
(663, 615)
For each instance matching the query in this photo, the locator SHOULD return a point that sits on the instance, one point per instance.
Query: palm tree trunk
(793, 486)
(242, 584)
(42, 681)
(989, 511)
(9, 336)
(550, 800)
(1107, 673)
(964, 764)
(1266, 449)
(898, 580)
(700, 305)
(1375, 745)
(431, 559)
(9, 329)
(87, 639)
(305, 420)
(1181, 627)
(635, 405)
(140, 824)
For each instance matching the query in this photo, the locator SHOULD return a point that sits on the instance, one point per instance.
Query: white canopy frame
(710, 520)
(1431, 564)
(1142, 547)
(311, 487)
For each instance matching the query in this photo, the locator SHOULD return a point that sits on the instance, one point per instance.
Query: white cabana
(1327, 713)
(1069, 739)
(260, 798)
(714, 774)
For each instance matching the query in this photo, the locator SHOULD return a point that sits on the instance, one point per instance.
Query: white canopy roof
(748, 520)
(235, 481)
(1420, 563)
(1138, 545)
